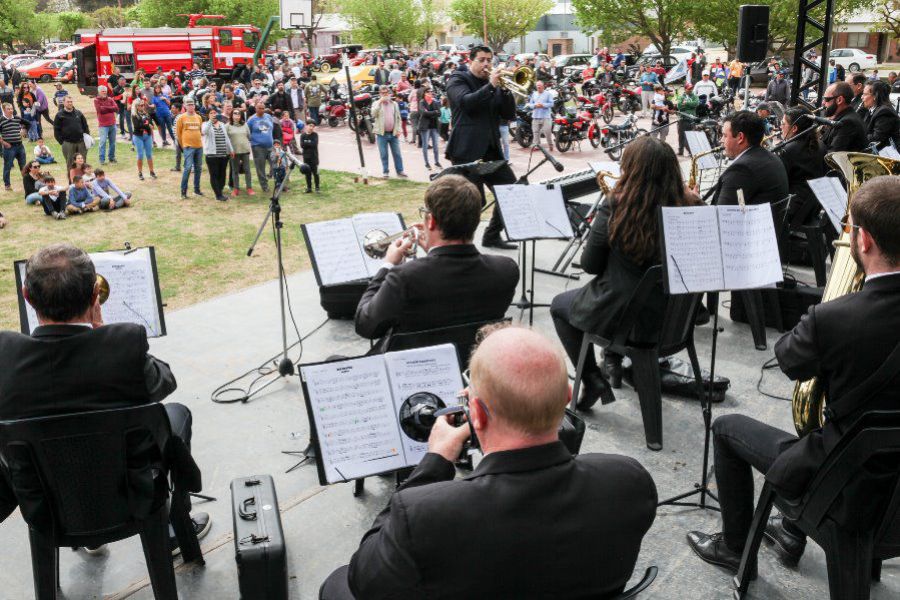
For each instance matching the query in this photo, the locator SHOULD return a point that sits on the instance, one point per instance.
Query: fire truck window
(251, 39)
(225, 37)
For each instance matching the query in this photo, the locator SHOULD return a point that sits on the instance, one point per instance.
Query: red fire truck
(217, 49)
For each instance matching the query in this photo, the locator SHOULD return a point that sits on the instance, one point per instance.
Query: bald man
(530, 521)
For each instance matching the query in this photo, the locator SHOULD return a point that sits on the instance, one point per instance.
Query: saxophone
(695, 166)
(808, 400)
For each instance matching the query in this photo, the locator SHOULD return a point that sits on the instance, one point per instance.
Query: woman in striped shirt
(218, 149)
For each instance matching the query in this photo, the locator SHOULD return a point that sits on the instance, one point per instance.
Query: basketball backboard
(296, 14)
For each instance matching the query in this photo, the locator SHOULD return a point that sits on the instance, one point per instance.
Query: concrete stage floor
(214, 341)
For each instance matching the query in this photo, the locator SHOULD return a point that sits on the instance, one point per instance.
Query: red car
(434, 57)
(43, 70)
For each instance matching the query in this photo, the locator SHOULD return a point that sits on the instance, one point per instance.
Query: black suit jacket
(883, 126)
(530, 523)
(452, 285)
(842, 342)
(849, 135)
(477, 108)
(759, 173)
(802, 163)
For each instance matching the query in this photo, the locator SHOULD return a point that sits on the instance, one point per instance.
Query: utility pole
(484, 19)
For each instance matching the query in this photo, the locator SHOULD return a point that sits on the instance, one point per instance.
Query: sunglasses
(847, 226)
(828, 98)
(423, 211)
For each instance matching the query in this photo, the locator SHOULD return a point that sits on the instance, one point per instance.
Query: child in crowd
(403, 105)
(53, 199)
(81, 199)
(42, 153)
(278, 159)
(288, 131)
(445, 119)
(309, 143)
(111, 197)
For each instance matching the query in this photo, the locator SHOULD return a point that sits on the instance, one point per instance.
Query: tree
(382, 22)
(160, 13)
(888, 11)
(70, 22)
(506, 19)
(430, 20)
(662, 21)
(16, 21)
(108, 17)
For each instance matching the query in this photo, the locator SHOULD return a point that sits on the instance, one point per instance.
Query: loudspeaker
(753, 32)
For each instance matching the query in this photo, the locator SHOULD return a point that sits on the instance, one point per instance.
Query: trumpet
(103, 288)
(519, 81)
(377, 242)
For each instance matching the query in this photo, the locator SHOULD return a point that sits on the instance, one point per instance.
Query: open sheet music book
(533, 212)
(832, 196)
(355, 405)
(697, 144)
(336, 247)
(717, 248)
(134, 295)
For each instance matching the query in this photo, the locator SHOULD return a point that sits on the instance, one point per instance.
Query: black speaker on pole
(753, 32)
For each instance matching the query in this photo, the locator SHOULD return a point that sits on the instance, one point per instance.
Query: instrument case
(340, 301)
(259, 548)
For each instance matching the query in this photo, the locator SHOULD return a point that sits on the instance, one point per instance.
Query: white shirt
(885, 274)
(706, 87)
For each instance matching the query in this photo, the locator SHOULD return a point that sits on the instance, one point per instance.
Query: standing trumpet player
(453, 284)
(478, 105)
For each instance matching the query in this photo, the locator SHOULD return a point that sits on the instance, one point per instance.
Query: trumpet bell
(520, 82)
(103, 287)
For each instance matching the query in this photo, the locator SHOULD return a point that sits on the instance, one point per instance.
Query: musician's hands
(447, 440)
(96, 314)
(396, 252)
(421, 236)
(692, 191)
(494, 78)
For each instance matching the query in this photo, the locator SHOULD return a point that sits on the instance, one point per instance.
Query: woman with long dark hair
(622, 244)
(804, 159)
(882, 122)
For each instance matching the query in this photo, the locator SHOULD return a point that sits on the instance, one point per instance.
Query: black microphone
(821, 120)
(556, 164)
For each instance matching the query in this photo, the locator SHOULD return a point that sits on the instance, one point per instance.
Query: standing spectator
(778, 90)
(177, 112)
(295, 92)
(648, 81)
(445, 119)
(41, 104)
(218, 149)
(7, 94)
(395, 75)
(188, 135)
(662, 108)
(288, 131)
(706, 90)
(314, 93)
(687, 104)
(309, 146)
(69, 129)
(280, 100)
(239, 135)
(430, 112)
(386, 122)
(414, 110)
(382, 76)
(143, 136)
(11, 140)
(832, 72)
(541, 102)
(106, 109)
(163, 115)
(261, 140)
(195, 73)
(59, 95)
(839, 73)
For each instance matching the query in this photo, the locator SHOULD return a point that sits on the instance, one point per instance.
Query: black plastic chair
(80, 478)
(462, 336)
(853, 554)
(643, 584)
(676, 334)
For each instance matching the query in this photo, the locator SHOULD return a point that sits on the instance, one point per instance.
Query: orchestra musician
(842, 342)
(803, 159)
(849, 134)
(882, 122)
(622, 244)
(478, 105)
(452, 285)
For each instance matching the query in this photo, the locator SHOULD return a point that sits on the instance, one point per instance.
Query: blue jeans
(504, 140)
(389, 139)
(125, 119)
(107, 134)
(16, 152)
(165, 124)
(430, 134)
(193, 159)
(144, 146)
(314, 114)
(34, 198)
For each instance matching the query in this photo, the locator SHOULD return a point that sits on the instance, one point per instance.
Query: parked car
(676, 52)
(19, 59)
(853, 59)
(394, 54)
(520, 58)
(42, 70)
(570, 63)
(335, 54)
(434, 57)
(451, 48)
(760, 72)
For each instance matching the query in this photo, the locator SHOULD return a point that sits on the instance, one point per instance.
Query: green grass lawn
(201, 244)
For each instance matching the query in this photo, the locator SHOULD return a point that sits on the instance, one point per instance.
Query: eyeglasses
(828, 98)
(423, 211)
(847, 226)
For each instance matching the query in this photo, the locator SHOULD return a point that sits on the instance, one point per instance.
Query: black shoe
(613, 369)
(308, 191)
(789, 546)
(140, 176)
(198, 193)
(713, 550)
(499, 244)
(175, 170)
(318, 191)
(152, 175)
(221, 198)
(184, 195)
(202, 525)
(594, 387)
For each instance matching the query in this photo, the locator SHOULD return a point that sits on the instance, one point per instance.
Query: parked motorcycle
(572, 127)
(523, 133)
(614, 136)
(628, 101)
(335, 111)
(362, 104)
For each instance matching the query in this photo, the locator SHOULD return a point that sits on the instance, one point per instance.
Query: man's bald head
(521, 376)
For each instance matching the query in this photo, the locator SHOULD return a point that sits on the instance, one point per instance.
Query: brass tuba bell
(103, 288)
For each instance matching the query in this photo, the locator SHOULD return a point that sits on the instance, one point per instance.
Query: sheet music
(697, 144)
(889, 152)
(388, 222)
(356, 425)
(833, 198)
(533, 212)
(693, 251)
(132, 285)
(337, 254)
(750, 256)
(434, 369)
(606, 165)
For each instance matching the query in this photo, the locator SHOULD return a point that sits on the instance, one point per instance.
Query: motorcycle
(363, 105)
(572, 127)
(335, 111)
(628, 101)
(614, 136)
(523, 133)
(601, 103)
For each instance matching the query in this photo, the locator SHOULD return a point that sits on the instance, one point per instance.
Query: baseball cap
(706, 72)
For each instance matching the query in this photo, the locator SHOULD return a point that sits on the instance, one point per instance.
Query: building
(861, 31)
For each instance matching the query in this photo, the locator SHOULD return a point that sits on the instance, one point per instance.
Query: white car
(853, 59)
(520, 58)
(676, 52)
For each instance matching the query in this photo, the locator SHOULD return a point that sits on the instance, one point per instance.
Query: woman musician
(622, 245)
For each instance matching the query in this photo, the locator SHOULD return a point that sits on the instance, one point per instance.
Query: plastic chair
(462, 336)
(643, 584)
(853, 554)
(92, 478)
(676, 334)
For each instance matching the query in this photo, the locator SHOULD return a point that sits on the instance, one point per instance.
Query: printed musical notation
(750, 256)
(698, 143)
(692, 249)
(833, 198)
(533, 212)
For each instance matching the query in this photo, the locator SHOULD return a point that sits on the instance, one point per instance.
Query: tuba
(103, 286)
(808, 400)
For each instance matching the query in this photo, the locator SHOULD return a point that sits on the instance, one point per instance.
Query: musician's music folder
(718, 248)
(354, 407)
(336, 247)
(134, 294)
(533, 212)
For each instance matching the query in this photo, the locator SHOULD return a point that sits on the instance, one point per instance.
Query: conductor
(478, 105)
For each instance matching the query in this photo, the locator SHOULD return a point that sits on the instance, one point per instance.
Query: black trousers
(741, 443)
(218, 168)
(336, 587)
(180, 421)
(310, 174)
(682, 139)
(569, 335)
(50, 205)
(502, 176)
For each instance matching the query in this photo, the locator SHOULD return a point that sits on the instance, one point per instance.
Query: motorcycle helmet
(300, 125)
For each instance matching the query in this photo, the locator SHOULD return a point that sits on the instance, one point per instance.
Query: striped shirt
(221, 144)
(11, 130)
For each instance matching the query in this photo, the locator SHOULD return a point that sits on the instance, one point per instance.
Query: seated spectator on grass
(53, 199)
(42, 153)
(111, 197)
(31, 182)
(76, 167)
(81, 199)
